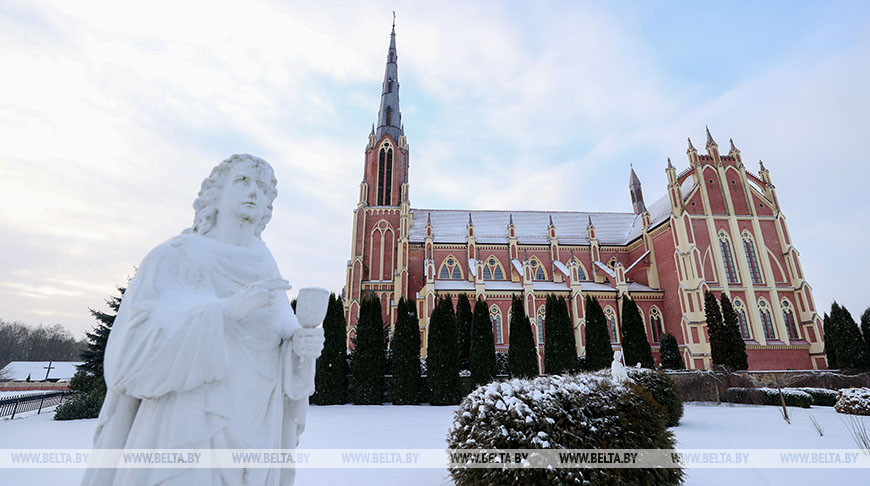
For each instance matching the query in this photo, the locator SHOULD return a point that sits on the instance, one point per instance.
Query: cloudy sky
(112, 113)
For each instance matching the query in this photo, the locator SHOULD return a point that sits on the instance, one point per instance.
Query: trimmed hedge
(822, 396)
(768, 396)
(583, 411)
(854, 401)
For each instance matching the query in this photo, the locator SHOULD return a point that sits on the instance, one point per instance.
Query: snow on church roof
(20, 370)
(491, 226)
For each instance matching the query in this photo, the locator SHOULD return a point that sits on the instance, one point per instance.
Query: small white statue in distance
(617, 369)
(206, 352)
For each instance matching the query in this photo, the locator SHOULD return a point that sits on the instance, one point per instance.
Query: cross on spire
(389, 116)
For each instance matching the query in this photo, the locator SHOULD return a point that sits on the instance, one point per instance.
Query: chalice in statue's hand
(311, 306)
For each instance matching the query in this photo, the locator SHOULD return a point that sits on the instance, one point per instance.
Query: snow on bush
(854, 401)
(822, 396)
(582, 411)
(663, 390)
(793, 397)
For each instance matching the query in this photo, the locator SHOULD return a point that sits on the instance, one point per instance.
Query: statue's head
(617, 355)
(208, 203)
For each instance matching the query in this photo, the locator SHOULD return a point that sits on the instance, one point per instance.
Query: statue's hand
(253, 298)
(308, 342)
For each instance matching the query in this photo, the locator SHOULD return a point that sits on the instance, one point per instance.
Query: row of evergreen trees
(847, 347)
(727, 348)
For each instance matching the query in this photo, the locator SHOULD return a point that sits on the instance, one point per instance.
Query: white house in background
(39, 370)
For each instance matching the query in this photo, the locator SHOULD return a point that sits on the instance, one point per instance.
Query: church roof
(20, 370)
(491, 226)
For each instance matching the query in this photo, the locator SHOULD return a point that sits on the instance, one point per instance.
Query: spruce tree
(482, 359)
(368, 362)
(714, 329)
(330, 377)
(635, 345)
(522, 358)
(851, 352)
(599, 352)
(735, 349)
(88, 383)
(93, 355)
(463, 324)
(442, 355)
(865, 330)
(560, 352)
(830, 330)
(670, 352)
(406, 355)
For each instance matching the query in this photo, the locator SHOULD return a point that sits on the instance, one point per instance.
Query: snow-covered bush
(822, 396)
(769, 396)
(854, 401)
(561, 412)
(663, 390)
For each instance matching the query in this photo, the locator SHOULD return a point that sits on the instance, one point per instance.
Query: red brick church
(717, 227)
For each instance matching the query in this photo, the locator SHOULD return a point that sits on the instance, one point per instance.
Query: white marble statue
(617, 369)
(206, 351)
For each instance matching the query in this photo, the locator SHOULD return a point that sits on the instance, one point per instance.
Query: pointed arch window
(385, 175)
(655, 324)
(492, 269)
(742, 321)
(766, 320)
(389, 115)
(788, 318)
(450, 269)
(610, 317)
(538, 272)
(728, 258)
(495, 317)
(540, 321)
(749, 247)
(390, 85)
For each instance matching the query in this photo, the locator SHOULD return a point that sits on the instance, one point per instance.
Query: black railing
(27, 403)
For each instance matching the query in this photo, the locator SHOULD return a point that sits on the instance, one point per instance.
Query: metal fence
(27, 403)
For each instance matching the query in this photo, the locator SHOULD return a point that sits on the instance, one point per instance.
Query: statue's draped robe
(180, 376)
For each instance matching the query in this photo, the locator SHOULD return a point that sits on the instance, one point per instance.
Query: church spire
(636, 193)
(389, 116)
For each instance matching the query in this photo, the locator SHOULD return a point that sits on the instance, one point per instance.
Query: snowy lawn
(703, 426)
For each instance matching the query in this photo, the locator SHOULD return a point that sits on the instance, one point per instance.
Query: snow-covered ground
(703, 426)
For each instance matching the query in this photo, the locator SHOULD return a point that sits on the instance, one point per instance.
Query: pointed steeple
(636, 193)
(710, 141)
(691, 147)
(389, 116)
(733, 148)
(670, 165)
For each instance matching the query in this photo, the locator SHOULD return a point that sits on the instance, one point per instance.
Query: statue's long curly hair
(205, 205)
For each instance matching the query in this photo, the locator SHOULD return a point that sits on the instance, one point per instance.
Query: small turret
(634, 188)
(734, 152)
(712, 147)
(692, 153)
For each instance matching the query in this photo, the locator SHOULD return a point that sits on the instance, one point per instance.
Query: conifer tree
(368, 362)
(670, 351)
(599, 352)
(851, 352)
(560, 352)
(735, 348)
(635, 345)
(714, 329)
(522, 358)
(88, 383)
(463, 324)
(330, 377)
(830, 330)
(865, 330)
(93, 355)
(442, 355)
(482, 359)
(406, 355)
